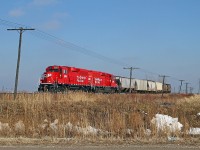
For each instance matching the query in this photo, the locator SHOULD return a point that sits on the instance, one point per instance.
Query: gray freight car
(124, 84)
(137, 85)
(151, 86)
(141, 86)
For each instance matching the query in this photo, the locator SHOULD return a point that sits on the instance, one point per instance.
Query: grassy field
(83, 116)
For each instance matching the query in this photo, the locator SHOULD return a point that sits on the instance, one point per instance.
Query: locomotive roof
(80, 69)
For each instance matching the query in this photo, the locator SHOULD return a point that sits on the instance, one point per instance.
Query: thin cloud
(51, 25)
(61, 15)
(44, 2)
(55, 22)
(16, 13)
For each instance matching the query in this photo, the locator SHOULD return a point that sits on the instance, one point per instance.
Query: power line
(46, 36)
(70, 46)
(80, 49)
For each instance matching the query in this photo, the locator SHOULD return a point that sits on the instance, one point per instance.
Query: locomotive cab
(50, 78)
(52, 74)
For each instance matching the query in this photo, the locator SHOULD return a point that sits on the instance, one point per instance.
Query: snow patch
(147, 132)
(194, 131)
(87, 130)
(165, 122)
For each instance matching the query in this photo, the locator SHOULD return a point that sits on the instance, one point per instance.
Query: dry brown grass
(117, 116)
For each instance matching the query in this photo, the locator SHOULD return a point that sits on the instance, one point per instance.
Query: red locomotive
(62, 78)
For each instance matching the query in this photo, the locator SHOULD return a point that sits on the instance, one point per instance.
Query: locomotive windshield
(53, 70)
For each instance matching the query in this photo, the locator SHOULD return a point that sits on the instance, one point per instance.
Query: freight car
(63, 78)
(141, 86)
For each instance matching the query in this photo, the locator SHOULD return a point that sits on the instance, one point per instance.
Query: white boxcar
(151, 86)
(141, 85)
(125, 82)
(133, 81)
(158, 86)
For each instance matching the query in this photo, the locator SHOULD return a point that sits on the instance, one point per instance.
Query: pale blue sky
(158, 36)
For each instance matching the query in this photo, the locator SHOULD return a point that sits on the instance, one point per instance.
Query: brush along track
(109, 116)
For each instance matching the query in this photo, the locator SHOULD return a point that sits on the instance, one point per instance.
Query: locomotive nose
(46, 75)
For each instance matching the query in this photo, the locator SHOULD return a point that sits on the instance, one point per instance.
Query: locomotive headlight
(48, 75)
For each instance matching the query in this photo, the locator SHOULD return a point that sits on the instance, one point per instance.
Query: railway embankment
(99, 118)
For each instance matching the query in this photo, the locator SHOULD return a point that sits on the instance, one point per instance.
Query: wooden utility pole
(20, 30)
(163, 82)
(186, 88)
(131, 70)
(181, 85)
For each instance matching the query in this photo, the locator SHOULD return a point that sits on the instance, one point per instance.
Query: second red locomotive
(63, 78)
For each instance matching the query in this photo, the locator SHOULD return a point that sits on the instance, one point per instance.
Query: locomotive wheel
(52, 89)
(45, 89)
(84, 89)
(64, 89)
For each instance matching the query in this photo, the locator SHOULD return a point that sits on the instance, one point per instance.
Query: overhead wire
(80, 49)
(70, 46)
(73, 47)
